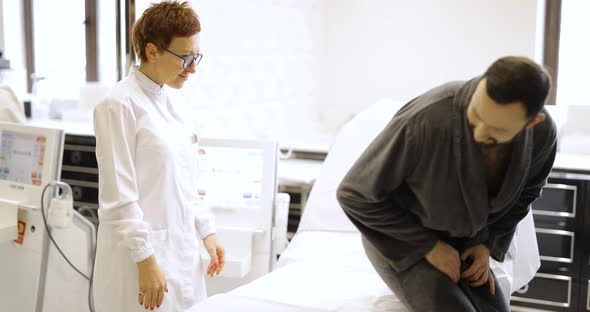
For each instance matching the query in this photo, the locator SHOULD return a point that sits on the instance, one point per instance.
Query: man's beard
(493, 145)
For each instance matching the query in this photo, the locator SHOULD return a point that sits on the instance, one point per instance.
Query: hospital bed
(325, 268)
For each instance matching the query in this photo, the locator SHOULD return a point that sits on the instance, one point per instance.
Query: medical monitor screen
(230, 177)
(21, 157)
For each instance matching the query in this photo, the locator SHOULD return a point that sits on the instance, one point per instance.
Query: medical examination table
(324, 268)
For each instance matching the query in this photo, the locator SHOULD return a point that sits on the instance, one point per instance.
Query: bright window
(574, 54)
(60, 47)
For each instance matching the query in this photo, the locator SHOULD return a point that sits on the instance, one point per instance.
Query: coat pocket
(160, 242)
(159, 235)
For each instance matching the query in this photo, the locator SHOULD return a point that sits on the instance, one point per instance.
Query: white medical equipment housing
(44, 145)
(237, 181)
(30, 158)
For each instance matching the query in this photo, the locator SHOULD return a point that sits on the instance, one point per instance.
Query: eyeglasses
(188, 60)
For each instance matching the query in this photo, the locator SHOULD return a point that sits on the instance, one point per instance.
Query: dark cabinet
(80, 171)
(536, 291)
(562, 225)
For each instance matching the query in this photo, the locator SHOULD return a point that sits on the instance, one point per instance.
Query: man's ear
(536, 120)
(152, 53)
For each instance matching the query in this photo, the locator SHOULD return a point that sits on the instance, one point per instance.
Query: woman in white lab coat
(151, 227)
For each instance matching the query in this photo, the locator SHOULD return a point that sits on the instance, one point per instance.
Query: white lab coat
(148, 202)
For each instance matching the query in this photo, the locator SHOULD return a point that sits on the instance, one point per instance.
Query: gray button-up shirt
(422, 179)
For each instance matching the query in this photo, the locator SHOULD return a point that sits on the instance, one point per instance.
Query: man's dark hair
(518, 79)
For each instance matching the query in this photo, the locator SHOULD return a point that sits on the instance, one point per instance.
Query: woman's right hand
(152, 283)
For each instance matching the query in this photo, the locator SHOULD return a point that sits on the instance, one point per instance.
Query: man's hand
(217, 254)
(445, 259)
(479, 272)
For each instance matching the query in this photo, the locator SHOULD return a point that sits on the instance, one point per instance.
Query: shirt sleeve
(115, 129)
(502, 230)
(365, 196)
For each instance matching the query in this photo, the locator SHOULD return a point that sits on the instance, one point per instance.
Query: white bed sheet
(319, 271)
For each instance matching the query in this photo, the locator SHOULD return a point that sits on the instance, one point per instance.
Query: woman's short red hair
(160, 23)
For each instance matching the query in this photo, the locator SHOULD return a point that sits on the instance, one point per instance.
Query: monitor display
(21, 157)
(230, 177)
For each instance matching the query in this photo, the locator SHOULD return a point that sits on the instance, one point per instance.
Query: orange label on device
(22, 225)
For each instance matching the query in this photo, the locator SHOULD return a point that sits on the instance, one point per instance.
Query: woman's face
(171, 66)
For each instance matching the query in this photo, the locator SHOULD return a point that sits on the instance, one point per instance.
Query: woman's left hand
(217, 254)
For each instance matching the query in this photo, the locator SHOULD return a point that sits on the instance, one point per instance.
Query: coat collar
(470, 168)
(144, 82)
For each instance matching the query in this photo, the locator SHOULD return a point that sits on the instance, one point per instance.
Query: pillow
(323, 211)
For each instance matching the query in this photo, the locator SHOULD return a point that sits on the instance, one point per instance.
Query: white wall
(259, 77)
(399, 49)
(296, 70)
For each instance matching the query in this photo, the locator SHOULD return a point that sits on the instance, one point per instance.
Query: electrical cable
(89, 279)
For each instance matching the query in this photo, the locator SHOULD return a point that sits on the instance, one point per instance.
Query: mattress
(319, 271)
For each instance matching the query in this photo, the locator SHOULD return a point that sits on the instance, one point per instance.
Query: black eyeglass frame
(188, 60)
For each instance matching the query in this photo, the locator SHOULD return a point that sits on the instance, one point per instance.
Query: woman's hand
(217, 254)
(152, 283)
